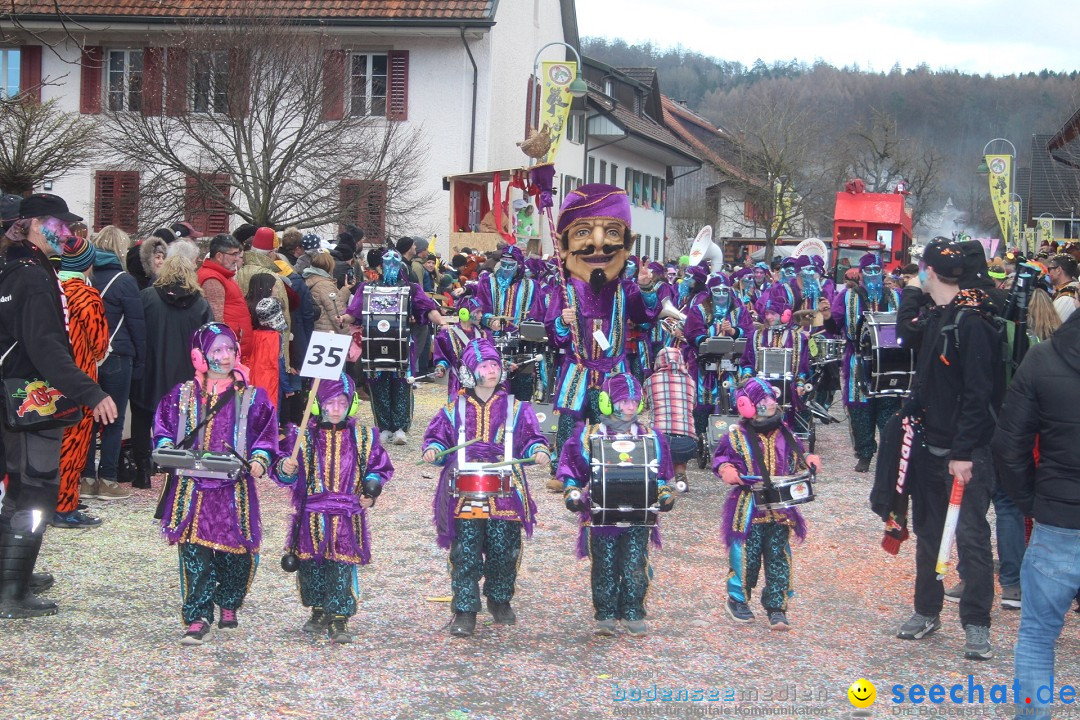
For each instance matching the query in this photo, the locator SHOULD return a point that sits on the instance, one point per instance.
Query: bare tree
(40, 141)
(778, 157)
(245, 131)
(882, 157)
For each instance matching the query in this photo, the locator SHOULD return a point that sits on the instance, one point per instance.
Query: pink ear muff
(745, 407)
(786, 317)
(198, 361)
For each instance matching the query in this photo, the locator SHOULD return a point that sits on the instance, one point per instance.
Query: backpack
(1004, 330)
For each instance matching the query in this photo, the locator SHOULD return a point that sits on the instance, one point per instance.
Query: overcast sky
(977, 36)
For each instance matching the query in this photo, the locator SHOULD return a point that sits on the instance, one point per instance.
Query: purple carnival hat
(697, 273)
(622, 386)
(477, 352)
(777, 303)
(867, 260)
(717, 280)
(657, 269)
(513, 252)
(328, 389)
(594, 200)
(756, 390)
(205, 336)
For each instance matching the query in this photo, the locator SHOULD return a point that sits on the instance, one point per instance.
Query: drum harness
(757, 451)
(508, 430)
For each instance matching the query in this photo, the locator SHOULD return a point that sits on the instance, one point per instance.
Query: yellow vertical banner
(555, 102)
(1046, 230)
(1030, 239)
(1000, 179)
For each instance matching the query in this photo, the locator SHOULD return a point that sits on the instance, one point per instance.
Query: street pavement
(113, 650)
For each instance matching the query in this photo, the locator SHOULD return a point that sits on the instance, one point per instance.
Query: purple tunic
(586, 364)
(215, 513)
(419, 306)
(574, 463)
(520, 298)
(486, 421)
(335, 526)
(698, 328)
(739, 509)
(448, 348)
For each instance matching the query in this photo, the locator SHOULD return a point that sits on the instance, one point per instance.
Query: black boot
(41, 582)
(502, 613)
(142, 473)
(464, 624)
(18, 553)
(863, 465)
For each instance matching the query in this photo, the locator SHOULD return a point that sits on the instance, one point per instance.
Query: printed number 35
(332, 356)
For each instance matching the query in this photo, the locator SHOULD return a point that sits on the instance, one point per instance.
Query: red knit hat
(265, 239)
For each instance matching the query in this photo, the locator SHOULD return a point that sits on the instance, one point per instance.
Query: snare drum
(786, 491)
(384, 317)
(825, 350)
(623, 480)
(774, 362)
(201, 464)
(472, 483)
(887, 369)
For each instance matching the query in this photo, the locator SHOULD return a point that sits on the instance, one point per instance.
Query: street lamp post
(577, 88)
(984, 166)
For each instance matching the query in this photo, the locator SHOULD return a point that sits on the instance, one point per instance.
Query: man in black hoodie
(959, 383)
(34, 335)
(1041, 404)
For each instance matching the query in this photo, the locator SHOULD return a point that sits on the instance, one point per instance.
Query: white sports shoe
(400, 438)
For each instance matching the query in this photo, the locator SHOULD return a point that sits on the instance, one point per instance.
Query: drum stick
(303, 421)
(412, 380)
(505, 463)
(947, 535)
(447, 451)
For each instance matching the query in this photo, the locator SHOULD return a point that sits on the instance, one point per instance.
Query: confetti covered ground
(113, 650)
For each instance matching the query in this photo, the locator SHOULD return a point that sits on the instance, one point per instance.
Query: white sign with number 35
(326, 354)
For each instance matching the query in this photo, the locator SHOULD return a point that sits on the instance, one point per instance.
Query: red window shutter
(397, 101)
(333, 85)
(363, 202)
(239, 83)
(176, 82)
(92, 70)
(30, 72)
(204, 210)
(153, 80)
(116, 200)
(537, 88)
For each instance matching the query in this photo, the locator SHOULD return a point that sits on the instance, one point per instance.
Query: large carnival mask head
(391, 266)
(594, 229)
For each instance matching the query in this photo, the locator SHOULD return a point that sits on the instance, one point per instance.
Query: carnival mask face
(54, 232)
(488, 374)
(810, 283)
(767, 407)
(506, 271)
(671, 274)
(335, 409)
(391, 266)
(787, 272)
(721, 296)
(631, 269)
(595, 251)
(221, 357)
(872, 279)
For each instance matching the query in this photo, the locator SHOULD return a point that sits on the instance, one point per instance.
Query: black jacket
(1042, 403)
(957, 390)
(122, 300)
(31, 313)
(172, 317)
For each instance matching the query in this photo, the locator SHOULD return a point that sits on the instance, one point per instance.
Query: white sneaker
(384, 437)
(400, 438)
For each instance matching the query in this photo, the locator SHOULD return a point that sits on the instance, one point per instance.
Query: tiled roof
(708, 141)
(1053, 187)
(642, 125)
(645, 76)
(360, 10)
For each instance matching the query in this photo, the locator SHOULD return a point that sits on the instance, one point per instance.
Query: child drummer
(340, 474)
(215, 520)
(451, 341)
(620, 555)
(483, 534)
(759, 443)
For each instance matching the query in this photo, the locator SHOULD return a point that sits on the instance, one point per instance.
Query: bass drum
(886, 368)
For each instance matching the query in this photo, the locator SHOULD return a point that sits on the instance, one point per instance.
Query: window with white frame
(210, 82)
(367, 84)
(575, 128)
(9, 72)
(124, 80)
(569, 184)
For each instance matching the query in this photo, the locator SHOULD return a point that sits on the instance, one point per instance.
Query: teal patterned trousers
(328, 585)
(620, 572)
(766, 542)
(491, 548)
(213, 577)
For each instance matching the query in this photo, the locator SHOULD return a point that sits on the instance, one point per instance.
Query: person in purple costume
(620, 555)
(759, 444)
(215, 520)
(779, 332)
(342, 472)
(451, 341)
(483, 534)
(589, 317)
(391, 401)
